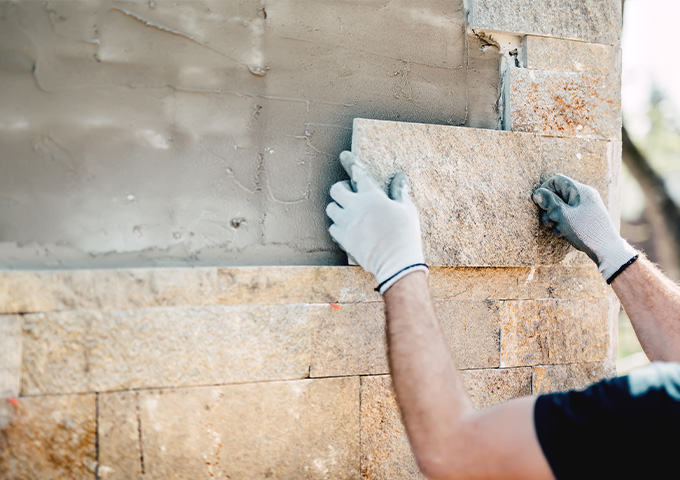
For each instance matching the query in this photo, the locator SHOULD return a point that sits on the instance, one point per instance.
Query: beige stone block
(10, 355)
(563, 104)
(576, 376)
(49, 437)
(26, 292)
(597, 21)
(556, 331)
(385, 450)
(542, 53)
(489, 387)
(307, 429)
(92, 350)
(473, 187)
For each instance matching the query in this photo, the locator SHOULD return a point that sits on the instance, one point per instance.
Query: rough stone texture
(10, 355)
(576, 376)
(385, 451)
(556, 331)
(306, 429)
(597, 21)
(473, 187)
(89, 350)
(49, 438)
(541, 53)
(563, 104)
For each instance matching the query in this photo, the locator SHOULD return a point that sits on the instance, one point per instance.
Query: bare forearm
(429, 388)
(652, 303)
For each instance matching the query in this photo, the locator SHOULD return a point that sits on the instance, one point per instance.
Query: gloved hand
(576, 212)
(382, 234)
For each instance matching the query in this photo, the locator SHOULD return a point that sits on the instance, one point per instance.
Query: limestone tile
(307, 429)
(555, 331)
(93, 350)
(26, 291)
(385, 450)
(563, 104)
(473, 187)
(596, 21)
(575, 376)
(291, 284)
(542, 282)
(10, 355)
(49, 437)
(542, 53)
(352, 339)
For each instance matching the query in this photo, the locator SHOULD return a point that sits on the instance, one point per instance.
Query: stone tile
(473, 187)
(385, 450)
(10, 355)
(49, 437)
(307, 429)
(563, 104)
(576, 376)
(26, 292)
(558, 331)
(92, 350)
(597, 21)
(542, 53)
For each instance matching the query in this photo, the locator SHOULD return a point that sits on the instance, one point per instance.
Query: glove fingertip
(400, 188)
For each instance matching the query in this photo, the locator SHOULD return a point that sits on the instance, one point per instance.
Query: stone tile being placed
(559, 331)
(307, 429)
(91, 350)
(49, 437)
(576, 376)
(563, 104)
(10, 355)
(542, 53)
(473, 187)
(596, 21)
(385, 450)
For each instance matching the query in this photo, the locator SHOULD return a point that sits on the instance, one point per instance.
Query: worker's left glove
(382, 234)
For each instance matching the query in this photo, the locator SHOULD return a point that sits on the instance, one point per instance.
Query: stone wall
(281, 372)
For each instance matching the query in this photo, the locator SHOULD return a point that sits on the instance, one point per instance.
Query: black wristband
(623, 267)
(377, 289)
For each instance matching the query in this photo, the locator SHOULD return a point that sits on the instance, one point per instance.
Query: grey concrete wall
(147, 133)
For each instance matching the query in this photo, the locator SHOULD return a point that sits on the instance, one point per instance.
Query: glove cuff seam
(377, 289)
(621, 269)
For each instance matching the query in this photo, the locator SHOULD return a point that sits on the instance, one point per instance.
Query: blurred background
(650, 194)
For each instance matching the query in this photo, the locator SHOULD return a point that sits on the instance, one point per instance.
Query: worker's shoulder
(664, 376)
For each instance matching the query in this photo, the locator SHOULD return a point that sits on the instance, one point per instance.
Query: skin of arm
(449, 438)
(652, 302)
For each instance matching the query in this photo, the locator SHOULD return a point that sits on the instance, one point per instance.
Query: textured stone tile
(542, 53)
(50, 437)
(576, 376)
(10, 355)
(90, 350)
(307, 429)
(473, 187)
(26, 292)
(597, 21)
(563, 104)
(559, 331)
(351, 340)
(385, 450)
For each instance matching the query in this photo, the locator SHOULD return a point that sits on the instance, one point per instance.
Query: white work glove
(382, 234)
(576, 212)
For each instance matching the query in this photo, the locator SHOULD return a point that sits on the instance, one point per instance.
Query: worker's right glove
(576, 212)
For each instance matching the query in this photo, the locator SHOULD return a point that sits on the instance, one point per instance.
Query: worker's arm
(449, 438)
(651, 300)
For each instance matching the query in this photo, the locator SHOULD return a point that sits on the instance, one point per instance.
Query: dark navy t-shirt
(625, 427)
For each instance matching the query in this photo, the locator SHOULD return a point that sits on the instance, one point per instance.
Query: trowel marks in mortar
(473, 187)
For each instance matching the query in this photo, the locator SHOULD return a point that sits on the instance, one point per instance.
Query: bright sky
(649, 43)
